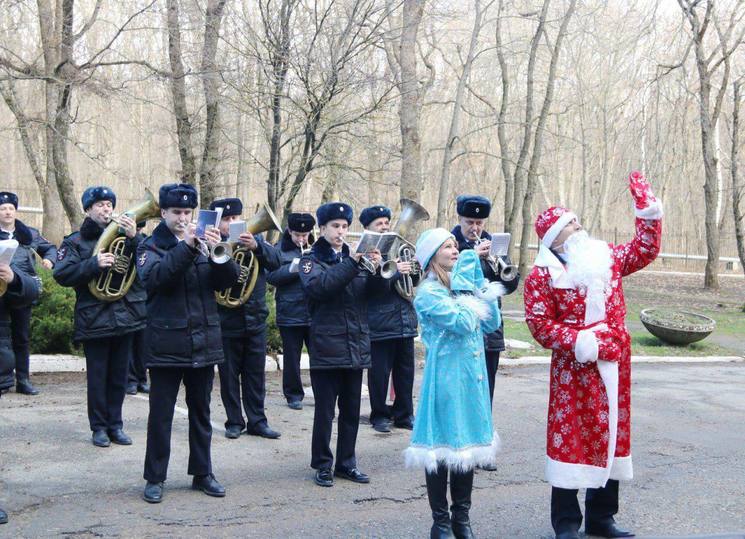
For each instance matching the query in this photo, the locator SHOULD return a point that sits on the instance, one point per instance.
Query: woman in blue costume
(453, 428)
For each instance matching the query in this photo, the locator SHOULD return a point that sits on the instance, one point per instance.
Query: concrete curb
(69, 363)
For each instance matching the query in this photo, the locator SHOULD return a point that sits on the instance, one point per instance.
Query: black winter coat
(290, 298)
(21, 292)
(76, 267)
(183, 326)
(389, 315)
(29, 238)
(494, 342)
(339, 334)
(251, 316)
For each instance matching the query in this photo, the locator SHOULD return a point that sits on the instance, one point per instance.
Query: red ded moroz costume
(589, 412)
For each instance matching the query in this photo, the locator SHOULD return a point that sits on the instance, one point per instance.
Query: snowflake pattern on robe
(578, 429)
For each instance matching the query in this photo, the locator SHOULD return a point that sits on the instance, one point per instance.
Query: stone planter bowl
(677, 327)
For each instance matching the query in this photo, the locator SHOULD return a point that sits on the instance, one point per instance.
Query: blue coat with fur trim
(290, 298)
(495, 339)
(339, 334)
(29, 238)
(76, 267)
(251, 316)
(453, 421)
(183, 325)
(21, 292)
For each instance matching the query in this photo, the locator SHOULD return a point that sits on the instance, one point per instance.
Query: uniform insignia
(227, 206)
(142, 259)
(61, 253)
(341, 208)
(307, 266)
(186, 197)
(476, 210)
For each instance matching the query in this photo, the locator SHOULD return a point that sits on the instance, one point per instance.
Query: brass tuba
(113, 283)
(238, 294)
(411, 214)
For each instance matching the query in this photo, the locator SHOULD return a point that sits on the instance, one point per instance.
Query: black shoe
(143, 387)
(488, 467)
(382, 426)
(100, 438)
(233, 432)
(607, 530)
(352, 474)
(406, 424)
(323, 478)
(295, 405)
(131, 389)
(264, 431)
(3, 517)
(153, 492)
(25, 387)
(209, 485)
(568, 535)
(118, 437)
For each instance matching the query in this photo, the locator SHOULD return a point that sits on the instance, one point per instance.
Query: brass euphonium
(238, 294)
(411, 213)
(113, 283)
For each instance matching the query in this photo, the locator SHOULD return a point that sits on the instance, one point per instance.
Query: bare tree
(454, 130)
(738, 191)
(708, 64)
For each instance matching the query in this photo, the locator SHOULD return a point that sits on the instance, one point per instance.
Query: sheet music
(236, 229)
(7, 250)
(500, 244)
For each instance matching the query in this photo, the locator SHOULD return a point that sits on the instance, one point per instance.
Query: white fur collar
(557, 271)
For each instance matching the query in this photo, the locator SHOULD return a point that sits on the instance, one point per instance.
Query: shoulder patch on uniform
(61, 253)
(307, 266)
(143, 258)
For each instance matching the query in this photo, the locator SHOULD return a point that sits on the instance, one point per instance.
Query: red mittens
(641, 190)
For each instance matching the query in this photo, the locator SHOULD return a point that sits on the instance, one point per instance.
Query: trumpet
(507, 272)
(368, 264)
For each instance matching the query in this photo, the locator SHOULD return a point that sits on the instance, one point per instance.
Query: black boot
(461, 485)
(437, 490)
(25, 387)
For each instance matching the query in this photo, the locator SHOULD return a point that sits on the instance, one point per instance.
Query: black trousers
(164, 386)
(397, 356)
(293, 338)
(106, 362)
(328, 386)
(20, 327)
(242, 378)
(601, 504)
(137, 372)
(492, 365)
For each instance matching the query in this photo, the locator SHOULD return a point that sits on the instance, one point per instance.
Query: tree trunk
(178, 93)
(535, 160)
(509, 180)
(211, 85)
(454, 131)
(410, 105)
(737, 189)
(279, 59)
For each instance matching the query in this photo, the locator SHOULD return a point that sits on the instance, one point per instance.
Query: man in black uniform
(473, 211)
(293, 318)
(244, 337)
(339, 342)
(22, 290)
(393, 327)
(137, 373)
(29, 241)
(182, 336)
(104, 327)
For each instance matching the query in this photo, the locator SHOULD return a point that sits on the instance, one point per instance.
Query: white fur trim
(553, 231)
(652, 212)
(491, 292)
(475, 305)
(622, 469)
(461, 460)
(586, 346)
(574, 476)
(609, 374)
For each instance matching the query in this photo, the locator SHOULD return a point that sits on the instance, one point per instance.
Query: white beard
(589, 265)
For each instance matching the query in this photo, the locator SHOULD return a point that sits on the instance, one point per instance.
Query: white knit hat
(429, 242)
